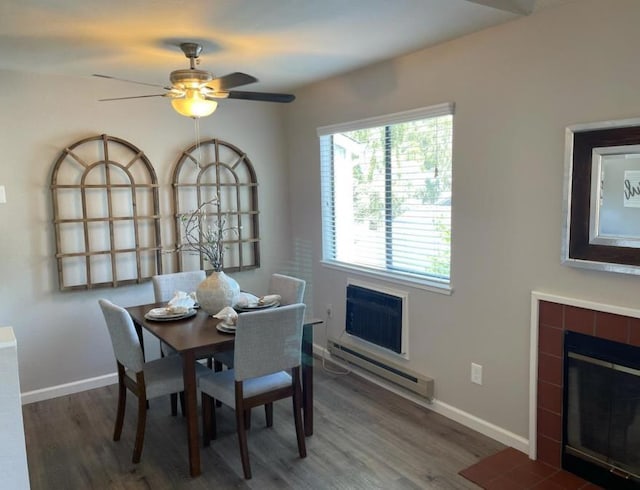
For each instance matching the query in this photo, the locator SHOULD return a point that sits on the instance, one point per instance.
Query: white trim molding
(484, 427)
(68, 388)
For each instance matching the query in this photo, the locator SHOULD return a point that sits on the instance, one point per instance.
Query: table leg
(191, 405)
(307, 379)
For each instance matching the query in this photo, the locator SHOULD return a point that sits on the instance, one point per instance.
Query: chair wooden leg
(142, 419)
(297, 413)
(241, 416)
(214, 424)
(122, 398)
(217, 367)
(174, 404)
(242, 441)
(268, 413)
(206, 420)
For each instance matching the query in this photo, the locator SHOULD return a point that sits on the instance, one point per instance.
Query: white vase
(217, 291)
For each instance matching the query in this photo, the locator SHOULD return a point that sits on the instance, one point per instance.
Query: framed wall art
(106, 214)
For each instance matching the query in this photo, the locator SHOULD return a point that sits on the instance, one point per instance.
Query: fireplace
(553, 422)
(601, 415)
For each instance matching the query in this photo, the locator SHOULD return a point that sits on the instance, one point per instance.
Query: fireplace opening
(601, 414)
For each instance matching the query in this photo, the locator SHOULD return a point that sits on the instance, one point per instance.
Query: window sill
(405, 280)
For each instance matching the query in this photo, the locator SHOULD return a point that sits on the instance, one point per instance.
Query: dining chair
(166, 285)
(164, 288)
(146, 380)
(291, 291)
(267, 360)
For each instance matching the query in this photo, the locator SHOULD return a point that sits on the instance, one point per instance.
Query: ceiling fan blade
(261, 96)
(231, 80)
(133, 97)
(131, 81)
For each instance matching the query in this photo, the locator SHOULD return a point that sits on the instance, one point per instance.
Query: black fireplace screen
(602, 409)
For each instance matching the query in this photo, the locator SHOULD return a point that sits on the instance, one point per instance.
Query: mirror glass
(615, 196)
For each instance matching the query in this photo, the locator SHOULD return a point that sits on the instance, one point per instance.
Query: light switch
(3, 195)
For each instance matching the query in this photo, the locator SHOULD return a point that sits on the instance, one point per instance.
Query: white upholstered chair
(145, 379)
(291, 291)
(165, 287)
(267, 359)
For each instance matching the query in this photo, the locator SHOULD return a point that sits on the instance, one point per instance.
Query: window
(386, 194)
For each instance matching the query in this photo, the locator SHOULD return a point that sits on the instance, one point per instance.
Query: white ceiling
(284, 43)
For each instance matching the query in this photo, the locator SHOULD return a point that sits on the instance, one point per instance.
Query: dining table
(195, 337)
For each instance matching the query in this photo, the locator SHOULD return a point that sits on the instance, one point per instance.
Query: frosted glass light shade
(193, 104)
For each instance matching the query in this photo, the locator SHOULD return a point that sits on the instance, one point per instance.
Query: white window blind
(386, 193)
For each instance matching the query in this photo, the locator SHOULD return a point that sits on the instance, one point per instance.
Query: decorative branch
(204, 236)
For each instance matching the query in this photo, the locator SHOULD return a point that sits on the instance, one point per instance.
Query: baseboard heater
(422, 385)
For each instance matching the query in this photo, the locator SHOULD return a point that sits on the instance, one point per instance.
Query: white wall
(61, 335)
(516, 87)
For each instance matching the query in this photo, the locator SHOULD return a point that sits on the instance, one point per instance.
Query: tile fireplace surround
(551, 316)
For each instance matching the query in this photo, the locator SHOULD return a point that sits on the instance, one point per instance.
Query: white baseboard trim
(488, 429)
(468, 420)
(71, 388)
(68, 388)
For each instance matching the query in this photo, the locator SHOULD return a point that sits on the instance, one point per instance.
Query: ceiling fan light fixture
(193, 104)
(193, 92)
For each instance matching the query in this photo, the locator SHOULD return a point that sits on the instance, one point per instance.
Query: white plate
(223, 327)
(257, 306)
(164, 312)
(164, 315)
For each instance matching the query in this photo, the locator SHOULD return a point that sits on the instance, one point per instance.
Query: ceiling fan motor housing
(190, 78)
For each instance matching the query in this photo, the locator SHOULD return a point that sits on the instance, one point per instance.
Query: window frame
(430, 283)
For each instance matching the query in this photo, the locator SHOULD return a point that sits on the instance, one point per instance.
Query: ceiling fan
(194, 92)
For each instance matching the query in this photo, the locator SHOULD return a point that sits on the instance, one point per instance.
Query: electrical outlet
(476, 373)
(329, 311)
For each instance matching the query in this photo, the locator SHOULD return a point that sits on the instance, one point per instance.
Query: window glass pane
(387, 196)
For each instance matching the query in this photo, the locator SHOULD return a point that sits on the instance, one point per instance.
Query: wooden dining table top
(195, 332)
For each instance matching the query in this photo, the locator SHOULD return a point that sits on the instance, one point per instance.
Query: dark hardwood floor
(365, 438)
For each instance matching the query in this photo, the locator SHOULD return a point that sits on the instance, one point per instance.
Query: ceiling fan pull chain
(198, 145)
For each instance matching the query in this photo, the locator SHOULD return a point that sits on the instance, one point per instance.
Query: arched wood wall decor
(215, 169)
(105, 214)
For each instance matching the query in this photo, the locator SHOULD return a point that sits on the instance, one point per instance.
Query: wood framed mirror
(602, 196)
